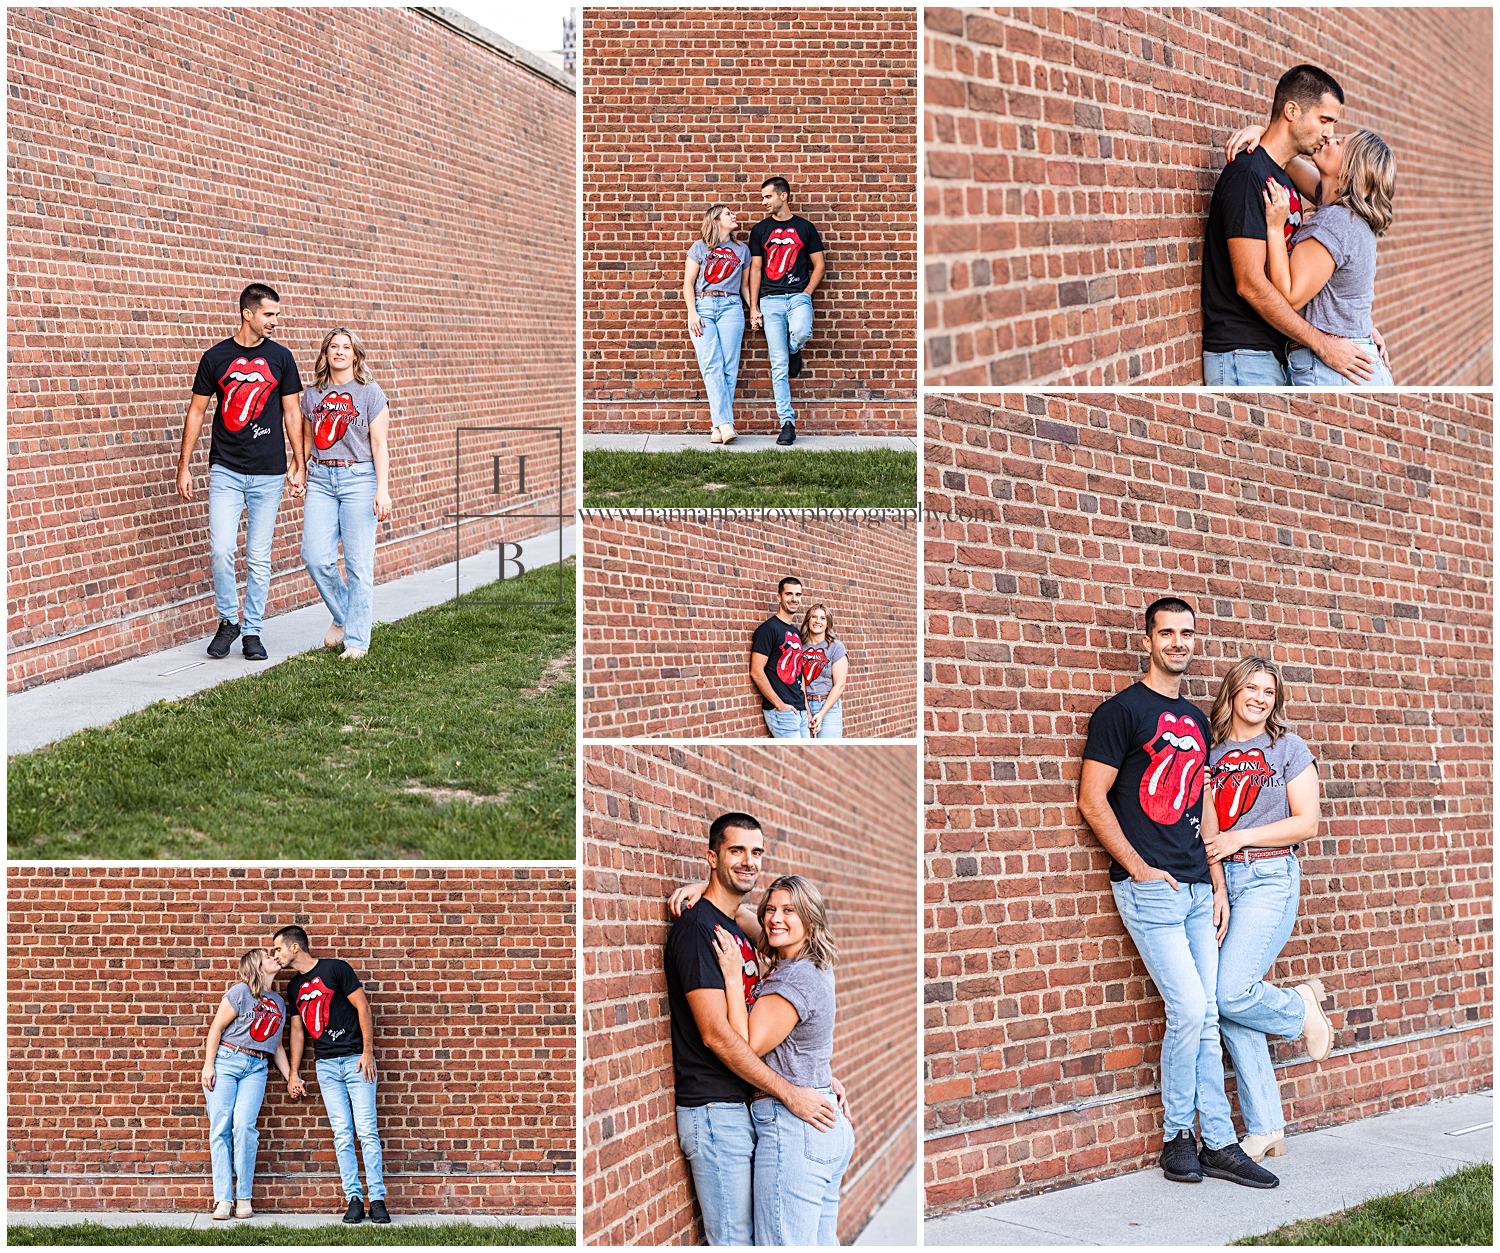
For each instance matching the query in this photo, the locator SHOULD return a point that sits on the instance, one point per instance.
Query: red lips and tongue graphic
(247, 385)
(791, 658)
(720, 264)
(267, 1020)
(1238, 778)
(331, 419)
(782, 247)
(1174, 780)
(313, 1003)
(750, 972)
(813, 661)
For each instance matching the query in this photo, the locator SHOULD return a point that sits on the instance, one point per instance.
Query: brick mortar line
(1079, 1106)
(322, 1174)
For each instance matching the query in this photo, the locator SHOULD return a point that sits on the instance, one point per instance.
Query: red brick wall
(669, 612)
(115, 974)
(1071, 153)
(1351, 541)
(845, 817)
(684, 108)
(424, 193)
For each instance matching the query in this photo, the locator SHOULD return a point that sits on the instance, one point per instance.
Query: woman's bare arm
(689, 297)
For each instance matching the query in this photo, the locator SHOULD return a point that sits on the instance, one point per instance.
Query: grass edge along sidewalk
(453, 739)
(333, 1234)
(871, 478)
(1455, 1210)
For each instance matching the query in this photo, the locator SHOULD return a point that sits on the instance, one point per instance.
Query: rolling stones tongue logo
(267, 1020)
(1174, 780)
(331, 419)
(813, 661)
(247, 385)
(782, 248)
(790, 662)
(1293, 218)
(750, 971)
(313, 1003)
(721, 263)
(1238, 779)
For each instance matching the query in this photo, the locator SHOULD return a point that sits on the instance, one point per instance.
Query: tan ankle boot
(1317, 1029)
(1259, 1147)
(334, 636)
(242, 1209)
(223, 1210)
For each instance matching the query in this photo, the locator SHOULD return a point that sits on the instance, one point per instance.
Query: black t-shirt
(321, 999)
(1238, 212)
(781, 645)
(784, 249)
(691, 964)
(249, 382)
(1160, 748)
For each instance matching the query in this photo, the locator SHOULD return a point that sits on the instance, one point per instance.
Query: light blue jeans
(718, 350)
(788, 321)
(233, 1106)
(718, 1141)
(1307, 369)
(341, 506)
(1244, 367)
(833, 720)
(786, 724)
(1174, 933)
(349, 1099)
(229, 496)
(1262, 912)
(798, 1170)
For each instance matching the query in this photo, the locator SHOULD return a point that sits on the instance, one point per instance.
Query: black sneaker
(788, 433)
(223, 638)
(254, 650)
(356, 1211)
(794, 364)
(1231, 1163)
(1179, 1159)
(379, 1213)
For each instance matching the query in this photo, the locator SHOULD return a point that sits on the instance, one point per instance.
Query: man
(257, 385)
(1142, 793)
(1246, 321)
(331, 1006)
(776, 666)
(786, 266)
(713, 1069)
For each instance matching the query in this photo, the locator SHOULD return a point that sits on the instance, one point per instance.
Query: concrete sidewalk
(44, 714)
(894, 1224)
(202, 1222)
(1323, 1171)
(748, 443)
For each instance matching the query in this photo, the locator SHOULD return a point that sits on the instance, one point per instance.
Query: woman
(825, 670)
(1262, 800)
(798, 1167)
(715, 280)
(346, 429)
(244, 1036)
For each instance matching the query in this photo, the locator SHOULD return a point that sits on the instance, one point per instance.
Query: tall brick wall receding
(1070, 155)
(115, 974)
(1350, 540)
(844, 817)
(686, 108)
(669, 612)
(378, 170)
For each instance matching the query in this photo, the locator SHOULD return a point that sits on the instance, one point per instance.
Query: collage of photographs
(449, 448)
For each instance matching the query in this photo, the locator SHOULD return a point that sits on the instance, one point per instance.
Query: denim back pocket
(825, 1147)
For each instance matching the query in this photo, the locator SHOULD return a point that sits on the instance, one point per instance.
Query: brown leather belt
(318, 462)
(726, 295)
(225, 1044)
(1246, 855)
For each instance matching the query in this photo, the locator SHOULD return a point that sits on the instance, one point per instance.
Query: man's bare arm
(816, 275)
(192, 427)
(763, 684)
(1093, 804)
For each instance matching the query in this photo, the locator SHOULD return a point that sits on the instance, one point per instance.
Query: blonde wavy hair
(808, 905)
(827, 626)
(252, 974)
(710, 230)
(321, 372)
(1367, 177)
(1221, 717)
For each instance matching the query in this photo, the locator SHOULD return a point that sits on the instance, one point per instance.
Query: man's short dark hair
(1307, 85)
(254, 295)
(1167, 604)
(791, 578)
(294, 935)
(721, 824)
(783, 188)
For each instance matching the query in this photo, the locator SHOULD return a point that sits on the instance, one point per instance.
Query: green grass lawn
(453, 739)
(336, 1233)
(877, 478)
(1457, 1209)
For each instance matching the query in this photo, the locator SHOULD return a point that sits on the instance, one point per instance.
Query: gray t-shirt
(719, 268)
(817, 666)
(1249, 779)
(805, 1057)
(1343, 306)
(340, 415)
(258, 1022)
